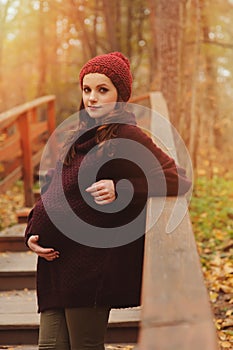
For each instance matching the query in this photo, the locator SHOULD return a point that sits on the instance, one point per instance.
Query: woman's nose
(93, 97)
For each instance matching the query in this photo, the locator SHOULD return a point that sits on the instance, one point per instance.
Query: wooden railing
(176, 312)
(23, 133)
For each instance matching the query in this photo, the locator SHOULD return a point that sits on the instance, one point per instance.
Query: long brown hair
(105, 131)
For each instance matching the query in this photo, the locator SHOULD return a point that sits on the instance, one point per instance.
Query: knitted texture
(116, 67)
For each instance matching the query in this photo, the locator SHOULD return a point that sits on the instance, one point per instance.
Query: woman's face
(99, 95)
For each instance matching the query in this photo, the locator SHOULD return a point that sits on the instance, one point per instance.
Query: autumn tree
(52, 40)
(215, 84)
(192, 45)
(175, 25)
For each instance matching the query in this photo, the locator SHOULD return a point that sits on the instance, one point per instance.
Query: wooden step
(22, 215)
(18, 317)
(19, 347)
(12, 238)
(19, 320)
(17, 270)
(35, 347)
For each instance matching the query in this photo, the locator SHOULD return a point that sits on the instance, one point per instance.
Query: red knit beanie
(116, 67)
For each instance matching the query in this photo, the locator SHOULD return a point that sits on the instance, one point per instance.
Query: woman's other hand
(47, 253)
(103, 191)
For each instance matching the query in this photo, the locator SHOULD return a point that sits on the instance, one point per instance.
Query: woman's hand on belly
(49, 254)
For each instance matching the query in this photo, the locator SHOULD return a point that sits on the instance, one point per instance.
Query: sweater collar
(87, 140)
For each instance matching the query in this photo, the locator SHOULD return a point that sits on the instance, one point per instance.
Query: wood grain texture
(176, 312)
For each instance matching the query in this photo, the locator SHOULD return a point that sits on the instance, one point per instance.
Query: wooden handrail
(7, 117)
(21, 126)
(176, 312)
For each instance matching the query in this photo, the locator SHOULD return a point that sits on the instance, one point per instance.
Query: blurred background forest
(183, 48)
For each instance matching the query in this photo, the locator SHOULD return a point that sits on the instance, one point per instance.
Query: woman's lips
(94, 108)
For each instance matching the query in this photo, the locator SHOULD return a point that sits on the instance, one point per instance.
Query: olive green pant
(73, 329)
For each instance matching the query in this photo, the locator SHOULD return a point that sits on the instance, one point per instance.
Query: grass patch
(211, 211)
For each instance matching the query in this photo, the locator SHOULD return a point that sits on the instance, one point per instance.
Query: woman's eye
(103, 90)
(86, 90)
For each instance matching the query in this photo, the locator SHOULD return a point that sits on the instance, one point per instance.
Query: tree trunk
(42, 64)
(3, 13)
(168, 34)
(209, 117)
(189, 66)
(153, 50)
(176, 24)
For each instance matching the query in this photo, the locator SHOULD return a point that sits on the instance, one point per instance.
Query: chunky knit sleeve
(28, 231)
(165, 177)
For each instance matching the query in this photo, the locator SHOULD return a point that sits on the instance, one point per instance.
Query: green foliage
(211, 212)
(211, 209)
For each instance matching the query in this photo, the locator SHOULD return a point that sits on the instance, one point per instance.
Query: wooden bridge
(24, 131)
(175, 311)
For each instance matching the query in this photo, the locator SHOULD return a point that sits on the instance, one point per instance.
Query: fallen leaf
(226, 344)
(227, 323)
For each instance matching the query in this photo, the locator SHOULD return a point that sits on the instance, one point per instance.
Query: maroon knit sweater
(89, 276)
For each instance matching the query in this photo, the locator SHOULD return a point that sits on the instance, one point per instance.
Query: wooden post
(51, 128)
(33, 114)
(51, 116)
(24, 129)
(159, 126)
